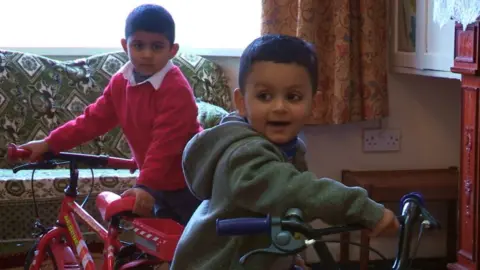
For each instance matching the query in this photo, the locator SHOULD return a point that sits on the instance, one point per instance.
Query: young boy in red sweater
(153, 103)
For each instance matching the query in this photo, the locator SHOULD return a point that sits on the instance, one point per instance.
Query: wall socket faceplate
(381, 140)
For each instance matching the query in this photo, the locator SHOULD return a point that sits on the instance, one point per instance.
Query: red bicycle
(64, 245)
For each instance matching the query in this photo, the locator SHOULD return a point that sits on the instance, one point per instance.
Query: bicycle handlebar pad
(14, 153)
(243, 226)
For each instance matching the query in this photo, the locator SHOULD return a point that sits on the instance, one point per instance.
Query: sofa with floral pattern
(37, 94)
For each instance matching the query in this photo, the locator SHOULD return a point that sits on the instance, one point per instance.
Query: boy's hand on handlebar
(143, 201)
(37, 149)
(387, 226)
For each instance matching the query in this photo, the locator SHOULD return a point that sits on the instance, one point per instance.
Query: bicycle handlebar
(247, 226)
(93, 161)
(283, 229)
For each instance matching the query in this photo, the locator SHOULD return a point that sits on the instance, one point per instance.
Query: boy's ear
(239, 101)
(174, 50)
(124, 45)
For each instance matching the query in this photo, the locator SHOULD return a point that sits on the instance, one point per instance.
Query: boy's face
(277, 101)
(148, 52)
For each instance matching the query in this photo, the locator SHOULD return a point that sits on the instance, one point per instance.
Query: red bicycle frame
(67, 226)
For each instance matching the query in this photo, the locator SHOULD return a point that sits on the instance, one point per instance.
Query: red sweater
(157, 125)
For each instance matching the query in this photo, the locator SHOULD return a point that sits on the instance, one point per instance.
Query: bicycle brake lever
(271, 250)
(429, 221)
(283, 242)
(23, 167)
(40, 229)
(37, 165)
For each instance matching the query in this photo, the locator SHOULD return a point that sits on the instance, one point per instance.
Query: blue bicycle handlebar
(412, 206)
(243, 226)
(247, 226)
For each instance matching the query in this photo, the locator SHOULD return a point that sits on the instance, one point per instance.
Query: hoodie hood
(205, 149)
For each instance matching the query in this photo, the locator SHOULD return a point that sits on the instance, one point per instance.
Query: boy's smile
(277, 101)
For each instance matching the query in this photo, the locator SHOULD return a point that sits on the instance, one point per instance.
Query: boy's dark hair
(150, 18)
(279, 49)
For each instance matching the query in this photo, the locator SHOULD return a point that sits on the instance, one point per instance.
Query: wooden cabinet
(418, 44)
(466, 63)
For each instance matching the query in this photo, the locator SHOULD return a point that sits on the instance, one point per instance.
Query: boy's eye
(265, 96)
(157, 47)
(294, 97)
(138, 46)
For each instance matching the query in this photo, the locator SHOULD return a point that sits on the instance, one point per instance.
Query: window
(59, 27)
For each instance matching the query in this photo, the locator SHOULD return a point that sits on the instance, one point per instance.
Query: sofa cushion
(209, 115)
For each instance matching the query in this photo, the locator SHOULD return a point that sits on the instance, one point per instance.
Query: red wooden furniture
(467, 57)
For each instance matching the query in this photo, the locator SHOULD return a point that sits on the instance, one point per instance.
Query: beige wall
(425, 109)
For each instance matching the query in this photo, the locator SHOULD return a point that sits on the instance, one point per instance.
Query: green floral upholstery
(37, 94)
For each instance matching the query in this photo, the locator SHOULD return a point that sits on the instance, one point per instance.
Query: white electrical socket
(381, 140)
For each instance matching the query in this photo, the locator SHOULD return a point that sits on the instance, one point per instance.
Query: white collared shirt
(155, 80)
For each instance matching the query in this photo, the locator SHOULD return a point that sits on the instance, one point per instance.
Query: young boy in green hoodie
(253, 164)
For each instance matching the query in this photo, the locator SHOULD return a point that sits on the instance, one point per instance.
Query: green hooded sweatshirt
(239, 173)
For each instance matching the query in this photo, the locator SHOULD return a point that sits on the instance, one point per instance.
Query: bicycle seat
(110, 204)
